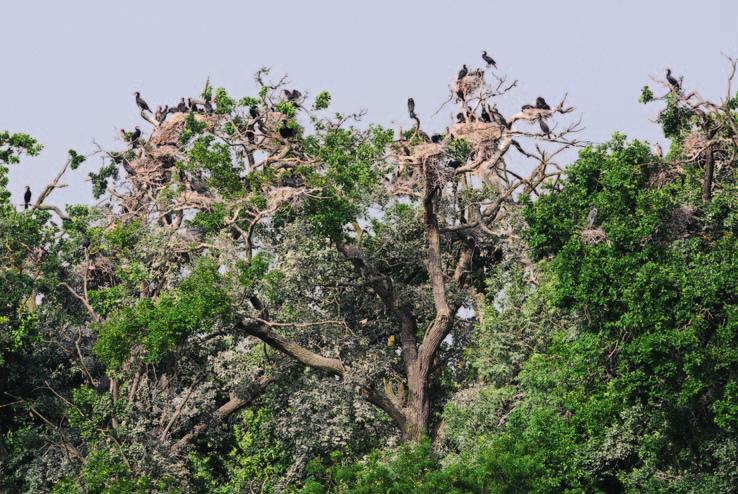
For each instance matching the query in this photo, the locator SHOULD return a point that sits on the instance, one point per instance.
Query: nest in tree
(476, 133)
(681, 220)
(469, 83)
(423, 152)
(284, 195)
(193, 199)
(274, 119)
(666, 175)
(593, 236)
(694, 144)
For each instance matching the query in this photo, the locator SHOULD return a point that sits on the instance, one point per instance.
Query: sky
(70, 68)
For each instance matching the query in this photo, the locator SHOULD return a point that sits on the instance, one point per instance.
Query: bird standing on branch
(134, 137)
(182, 106)
(672, 80)
(485, 115)
(541, 104)
(463, 72)
(411, 108)
(141, 103)
(489, 60)
(27, 197)
(657, 151)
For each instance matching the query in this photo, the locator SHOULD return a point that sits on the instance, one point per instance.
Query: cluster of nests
(150, 164)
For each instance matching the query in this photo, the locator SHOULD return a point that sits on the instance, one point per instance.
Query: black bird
(544, 127)
(86, 243)
(460, 118)
(251, 136)
(411, 108)
(254, 112)
(499, 117)
(489, 60)
(672, 80)
(286, 131)
(182, 106)
(454, 164)
(136, 134)
(436, 138)
(190, 105)
(292, 95)
(463, 72)
(27, 197)
(141, 103)
(526, 107)
(460, 95)
(208, 106)
(485, 115)
(541, 104)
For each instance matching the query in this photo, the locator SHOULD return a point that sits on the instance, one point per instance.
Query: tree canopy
(271, 297)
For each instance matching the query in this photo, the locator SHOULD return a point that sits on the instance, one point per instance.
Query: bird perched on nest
(27, 197)
(411, 108)
(672, 80)
(462, 72)
(292, 95)
(541, 104)
(182, 106)
(591, 218)
(141, 103)
(489, 60)
(485, 116)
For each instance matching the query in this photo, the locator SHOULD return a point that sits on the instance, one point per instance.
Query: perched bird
(158, 114)
(489, 60)
(541, 104)
(454, 164)
(672, 80)
(544, 127)
(86, 243)
(411, 108)
(460, 118)
(436, 138)
(463, 72)
(526, 107)
(498, 117)
(208, 106)
(182, 106)
(135, 135)
(657, 151)
(286, 131)
(190, 105)
(591, 218)
(251, 136)
(254, 112)
(292, 95)
(460, 95)
(485, 115)
(27, 197)
(141, 103)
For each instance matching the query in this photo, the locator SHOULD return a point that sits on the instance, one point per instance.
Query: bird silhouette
(541, 104)
(489, 60)
(463, 72)
(411, 108)
(27, 197)
(140, 102)
(544, 127)
(657, 151)
(672, 80)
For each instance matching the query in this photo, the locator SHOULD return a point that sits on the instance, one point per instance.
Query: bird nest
(694, 144)
(682, 219)
(284, 195)
(665, 176)
(423, 152)
(169, 132)
(593, 236)
(469, 83)
(476, 132)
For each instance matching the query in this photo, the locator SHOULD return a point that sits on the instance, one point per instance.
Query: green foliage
(646, 95)
(224, 104)
(322, 101)
(197, 304)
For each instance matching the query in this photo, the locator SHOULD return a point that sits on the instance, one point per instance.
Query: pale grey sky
(69, 68)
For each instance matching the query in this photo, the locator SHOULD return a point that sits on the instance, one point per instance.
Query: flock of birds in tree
(487, 115)
(286, 132)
